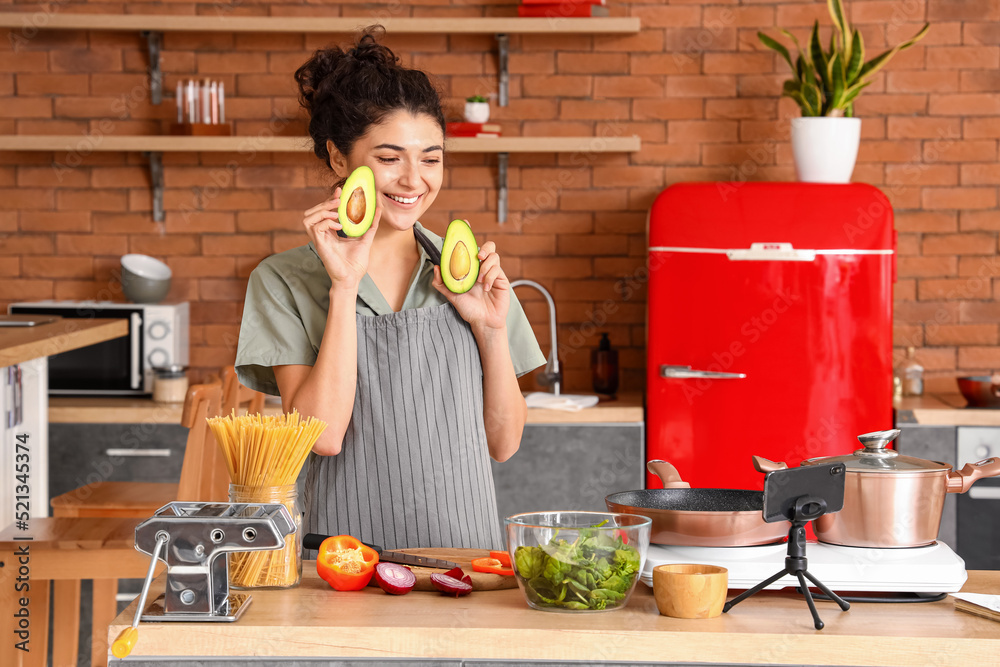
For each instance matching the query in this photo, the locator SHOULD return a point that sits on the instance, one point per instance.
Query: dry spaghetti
(264, 454)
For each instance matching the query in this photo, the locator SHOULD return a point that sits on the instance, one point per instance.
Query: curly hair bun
(347, 91)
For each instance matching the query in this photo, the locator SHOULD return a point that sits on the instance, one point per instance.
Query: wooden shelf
(186, 144)
(303, 24)
(154, 146)
(152, 27)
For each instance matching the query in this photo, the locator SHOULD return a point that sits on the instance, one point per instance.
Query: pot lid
(876, 458)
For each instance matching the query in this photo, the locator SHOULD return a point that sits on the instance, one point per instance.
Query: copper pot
(698, 517)
(890, 500)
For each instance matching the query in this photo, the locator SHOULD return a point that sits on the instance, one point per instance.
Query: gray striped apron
(414, 469)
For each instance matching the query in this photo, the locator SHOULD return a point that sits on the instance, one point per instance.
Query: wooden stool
(64, 551)
(203, 478)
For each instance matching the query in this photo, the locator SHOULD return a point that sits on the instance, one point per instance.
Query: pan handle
(959, 481)
(761, 464)
(667, 473)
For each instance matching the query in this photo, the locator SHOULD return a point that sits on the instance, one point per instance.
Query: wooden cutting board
(481, 581)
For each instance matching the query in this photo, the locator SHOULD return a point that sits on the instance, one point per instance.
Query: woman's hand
(485, 305)
(345, 259)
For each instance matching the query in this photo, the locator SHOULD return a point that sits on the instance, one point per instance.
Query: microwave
(158, 336)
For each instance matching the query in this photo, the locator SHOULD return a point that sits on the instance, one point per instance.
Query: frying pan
(698, 517)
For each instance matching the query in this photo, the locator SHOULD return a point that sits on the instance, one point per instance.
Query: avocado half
(357, 202)
(459, 258)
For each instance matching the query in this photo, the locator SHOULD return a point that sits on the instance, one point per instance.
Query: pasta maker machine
(193, 539)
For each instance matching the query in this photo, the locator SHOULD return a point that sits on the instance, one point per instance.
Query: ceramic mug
(689, 590)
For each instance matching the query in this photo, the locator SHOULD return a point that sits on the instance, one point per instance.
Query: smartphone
(782, 488)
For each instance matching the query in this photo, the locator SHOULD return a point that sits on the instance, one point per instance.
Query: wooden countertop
(770, 628)
(67, 410)
(943, 410)
(19, 344)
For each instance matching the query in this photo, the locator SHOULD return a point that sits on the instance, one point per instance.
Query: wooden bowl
(689, 590)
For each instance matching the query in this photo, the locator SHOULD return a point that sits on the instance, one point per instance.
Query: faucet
(552, 375)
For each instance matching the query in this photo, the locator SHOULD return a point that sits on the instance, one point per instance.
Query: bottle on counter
(912, 374)
(604, 367)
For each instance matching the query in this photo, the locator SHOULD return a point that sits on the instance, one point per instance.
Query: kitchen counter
(313, 621)
(19, 344)
(627, 408)
(943, 410)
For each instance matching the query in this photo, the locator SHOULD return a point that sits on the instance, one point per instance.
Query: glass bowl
(577, 561)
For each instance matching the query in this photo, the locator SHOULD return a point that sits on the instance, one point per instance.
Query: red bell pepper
(345, 563)
(492, 566)
(501, 556)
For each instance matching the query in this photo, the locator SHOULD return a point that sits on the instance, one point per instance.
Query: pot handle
(667, 473)
(761, 464)
(959, 481)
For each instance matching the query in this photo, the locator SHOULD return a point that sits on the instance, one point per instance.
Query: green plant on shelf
(476, 98)
(826, 83)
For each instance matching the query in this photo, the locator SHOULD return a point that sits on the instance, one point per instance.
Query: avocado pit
(460, 263)
(356, 206)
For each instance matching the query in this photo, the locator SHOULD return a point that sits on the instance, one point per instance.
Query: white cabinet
(24, 406)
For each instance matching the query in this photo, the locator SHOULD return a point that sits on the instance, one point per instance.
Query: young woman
(418, 386)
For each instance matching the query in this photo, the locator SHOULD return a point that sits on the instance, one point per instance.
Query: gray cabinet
(979, 507)
(81, 454)
(570, 467)
(937, 443)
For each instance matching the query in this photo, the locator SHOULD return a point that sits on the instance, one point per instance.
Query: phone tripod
(806, 509)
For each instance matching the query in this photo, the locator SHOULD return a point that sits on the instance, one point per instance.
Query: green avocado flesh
(459, 258)
(357, 202)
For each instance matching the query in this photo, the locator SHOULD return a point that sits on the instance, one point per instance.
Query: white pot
(477, 112)
(825, 148)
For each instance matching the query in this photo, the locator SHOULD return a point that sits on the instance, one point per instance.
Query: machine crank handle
(126, 640)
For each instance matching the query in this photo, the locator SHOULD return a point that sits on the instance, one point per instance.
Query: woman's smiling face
(405, 152)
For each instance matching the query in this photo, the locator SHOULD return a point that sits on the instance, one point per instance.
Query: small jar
(170, 384)
(276, 568)
(912, 374)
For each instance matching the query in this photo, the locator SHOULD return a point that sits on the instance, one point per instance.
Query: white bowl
(145, 279)
(146, 266)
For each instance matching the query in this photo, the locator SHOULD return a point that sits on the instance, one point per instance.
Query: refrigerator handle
(686, 373)
(895, 249)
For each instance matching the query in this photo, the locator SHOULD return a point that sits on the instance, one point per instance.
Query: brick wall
(694, 84)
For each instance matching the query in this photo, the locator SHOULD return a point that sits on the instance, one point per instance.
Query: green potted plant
(477, 109)
(825, 84)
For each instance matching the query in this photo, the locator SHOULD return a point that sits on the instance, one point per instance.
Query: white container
(477, 112)
(825, 148)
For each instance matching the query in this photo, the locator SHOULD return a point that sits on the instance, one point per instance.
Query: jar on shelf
(276, 568)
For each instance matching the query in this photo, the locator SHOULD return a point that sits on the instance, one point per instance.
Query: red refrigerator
(769, 325)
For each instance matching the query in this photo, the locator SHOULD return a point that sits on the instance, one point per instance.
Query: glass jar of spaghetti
(277, 568)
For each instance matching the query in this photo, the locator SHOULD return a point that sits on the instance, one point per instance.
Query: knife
(428, 246)
(313, 540)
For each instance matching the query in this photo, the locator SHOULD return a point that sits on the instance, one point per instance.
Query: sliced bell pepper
(345, 563)
(491, 565)
(501, 556)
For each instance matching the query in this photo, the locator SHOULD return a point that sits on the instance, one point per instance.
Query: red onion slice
(394, 579)
(450, 585)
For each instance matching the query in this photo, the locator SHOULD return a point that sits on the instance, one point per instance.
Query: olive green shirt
(288, 297)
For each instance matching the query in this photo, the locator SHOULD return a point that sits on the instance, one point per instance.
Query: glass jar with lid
(170, 383)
